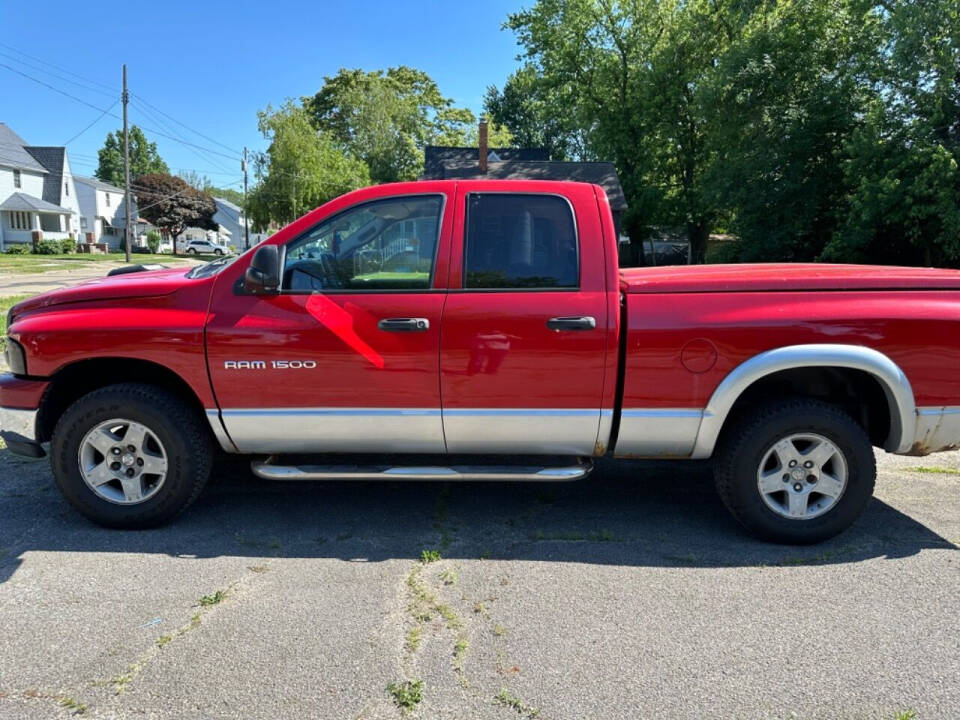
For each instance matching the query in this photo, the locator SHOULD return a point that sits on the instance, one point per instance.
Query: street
(631, 594)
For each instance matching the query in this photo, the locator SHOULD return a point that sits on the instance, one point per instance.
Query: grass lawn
(44, 263)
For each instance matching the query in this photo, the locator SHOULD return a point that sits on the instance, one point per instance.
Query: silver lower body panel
(533, 431)
(320, 430)
(937, 430)
(658, 432)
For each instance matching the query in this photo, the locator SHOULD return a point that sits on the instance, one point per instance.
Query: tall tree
(631, 73)
(902, 164)
(173, 205)
(385, 118)
(539, 114)
(144, 158)
(300, 170)
(787, 94)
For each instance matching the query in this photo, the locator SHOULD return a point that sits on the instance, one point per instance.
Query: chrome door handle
(404, 324)
(579, 322)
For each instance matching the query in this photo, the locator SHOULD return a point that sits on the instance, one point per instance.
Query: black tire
(744, 444)
(191, 251)
(172, 421)
(218, 251)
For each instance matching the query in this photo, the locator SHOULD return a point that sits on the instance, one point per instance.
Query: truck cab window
(384, 245)
(520, 241)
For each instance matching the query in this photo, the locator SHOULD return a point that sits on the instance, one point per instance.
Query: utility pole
(126, 165)
(246, 219)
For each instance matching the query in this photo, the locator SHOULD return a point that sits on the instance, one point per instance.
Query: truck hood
(784, 277)
(133, 285)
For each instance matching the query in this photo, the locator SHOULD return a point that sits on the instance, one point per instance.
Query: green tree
(635, 71)
(173, 205)
(144, 158)
(301, 169)
(787, 94)
(539, 114)
(385, 118)
(901, 164)
(202, 182)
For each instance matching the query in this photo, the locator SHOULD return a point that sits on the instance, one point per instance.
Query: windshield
(211, 268)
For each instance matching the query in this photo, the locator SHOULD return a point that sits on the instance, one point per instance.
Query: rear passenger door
(524, 325)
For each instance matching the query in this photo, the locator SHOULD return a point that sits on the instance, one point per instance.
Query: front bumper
(20, 401)
(18, 428)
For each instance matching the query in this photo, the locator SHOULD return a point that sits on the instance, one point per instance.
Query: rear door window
(516, 241)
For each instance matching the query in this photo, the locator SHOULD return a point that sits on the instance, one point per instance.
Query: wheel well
(76, 380)
(856, 392)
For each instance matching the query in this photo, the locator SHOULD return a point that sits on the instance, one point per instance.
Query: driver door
(346, 357)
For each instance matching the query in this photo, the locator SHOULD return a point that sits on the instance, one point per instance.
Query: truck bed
(773, 277)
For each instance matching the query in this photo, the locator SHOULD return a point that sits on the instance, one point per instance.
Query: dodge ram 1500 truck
(483, 330)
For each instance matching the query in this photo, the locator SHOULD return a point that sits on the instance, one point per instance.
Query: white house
(102, 212)
(38, 197)
(231, 217)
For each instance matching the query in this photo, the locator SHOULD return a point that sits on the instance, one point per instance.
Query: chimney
(482, 156)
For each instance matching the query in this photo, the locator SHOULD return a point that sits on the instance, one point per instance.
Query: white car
(205, 247)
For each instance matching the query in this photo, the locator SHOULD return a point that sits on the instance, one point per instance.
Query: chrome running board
(263, 469)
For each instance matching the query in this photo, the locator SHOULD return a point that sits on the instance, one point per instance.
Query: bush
(140, 250)
(18, 250)
(153, 241)
(68, 245)
(47, 247)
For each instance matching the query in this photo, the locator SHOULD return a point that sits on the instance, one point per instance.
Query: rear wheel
(130, 455)
(191, 251)
(798, 471)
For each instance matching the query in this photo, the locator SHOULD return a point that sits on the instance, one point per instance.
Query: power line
(99, 117)
(142, 107)
(107, 112)
(61, 69)
(205, 137)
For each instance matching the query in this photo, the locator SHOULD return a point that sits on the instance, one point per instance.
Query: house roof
(13, 151)
(227, 204)
(22, 201)
(434, 157)
(53, 159)
(99, 184)
(598, 173)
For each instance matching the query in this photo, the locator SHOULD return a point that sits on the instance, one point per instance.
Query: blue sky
(212, 65)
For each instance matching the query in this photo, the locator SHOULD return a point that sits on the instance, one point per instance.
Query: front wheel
(796, 472)
(130, 455)
(218, 251)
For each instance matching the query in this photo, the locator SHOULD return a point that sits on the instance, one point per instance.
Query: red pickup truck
(483, 330)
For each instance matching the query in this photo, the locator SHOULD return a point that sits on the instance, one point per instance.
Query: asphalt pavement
(631, 594)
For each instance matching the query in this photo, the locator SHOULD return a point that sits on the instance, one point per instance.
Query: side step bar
(263, 469)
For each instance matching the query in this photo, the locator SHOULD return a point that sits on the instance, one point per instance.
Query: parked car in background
(203, 247)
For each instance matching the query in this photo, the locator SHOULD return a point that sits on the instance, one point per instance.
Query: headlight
(16, 357)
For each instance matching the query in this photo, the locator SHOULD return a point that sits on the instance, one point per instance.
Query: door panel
(509, 382)
(346, 358)
(315, 373)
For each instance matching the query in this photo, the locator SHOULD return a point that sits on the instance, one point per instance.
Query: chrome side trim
(312, 430)
(896, 386)
(657, 432)
(526, 431)
(450, 474)
(219, 432)
(938, 430)
(19, 422)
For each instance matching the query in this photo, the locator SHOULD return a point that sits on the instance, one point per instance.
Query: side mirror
(263, 275)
